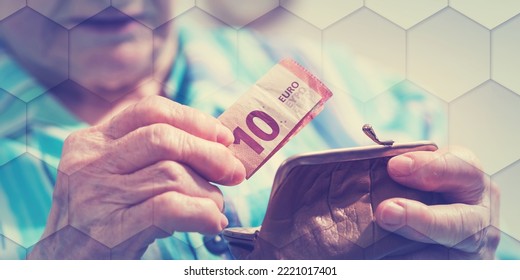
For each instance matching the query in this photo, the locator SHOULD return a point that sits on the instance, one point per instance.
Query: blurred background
(464, 53)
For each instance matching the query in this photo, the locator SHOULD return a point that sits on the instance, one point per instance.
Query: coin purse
(322, 207)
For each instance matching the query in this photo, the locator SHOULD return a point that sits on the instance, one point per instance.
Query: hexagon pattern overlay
(460, 54)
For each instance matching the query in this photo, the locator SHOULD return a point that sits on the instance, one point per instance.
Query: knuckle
(171, 171)
(162, 218)
(476, 224)
(428, 222)
(155, 137)
(186, 146)
(477, 186)
(80, 149)
(435, 172)
(475, 176)
(72, 139)
(469, 165)
(162, 109)
(473, 180)
(150, 102)
(164, 201)
(466, 155)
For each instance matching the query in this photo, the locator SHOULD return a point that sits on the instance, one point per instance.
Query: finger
(177, 212)
(167, 176)
(460, 226)
(158, 109)
(455, 174)
(160, 142)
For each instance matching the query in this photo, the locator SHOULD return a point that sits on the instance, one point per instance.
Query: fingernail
(400, 166)
(393, 215)
(224, 135)
(224, 221)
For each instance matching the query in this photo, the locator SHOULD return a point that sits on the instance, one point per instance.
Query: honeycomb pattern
(81, 10)
(10, 6)
(11, 106)
(152, 22)
(471, 125)
(369, 37)
(384, 110)
(203, 53)
(286, 29)
(504, 40)
(80, 63)
(237, 13)
(406, 13)
(9, 250)
(330, 10)
(479, 11)
(28, 21)
(461, 55)
(506, 179)
(459, 60)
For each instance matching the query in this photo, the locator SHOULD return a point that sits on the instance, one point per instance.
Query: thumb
(460, 226)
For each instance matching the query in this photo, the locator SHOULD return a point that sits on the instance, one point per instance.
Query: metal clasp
(369, 131)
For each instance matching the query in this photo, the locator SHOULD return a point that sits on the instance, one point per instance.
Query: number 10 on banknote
(280, 104)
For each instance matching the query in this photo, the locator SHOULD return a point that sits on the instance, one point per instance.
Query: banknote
(272, 111)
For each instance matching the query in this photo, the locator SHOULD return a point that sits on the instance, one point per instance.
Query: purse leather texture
(326, 211)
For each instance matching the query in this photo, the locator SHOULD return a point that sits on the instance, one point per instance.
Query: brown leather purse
(322, 207)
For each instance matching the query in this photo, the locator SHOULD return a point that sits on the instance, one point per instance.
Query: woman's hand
(462, 228)
(143, 175)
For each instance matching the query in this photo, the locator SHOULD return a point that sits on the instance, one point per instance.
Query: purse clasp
(369, 131)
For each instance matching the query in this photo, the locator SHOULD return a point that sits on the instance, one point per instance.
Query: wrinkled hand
(462, 225)
(140, 176)
(326, 211)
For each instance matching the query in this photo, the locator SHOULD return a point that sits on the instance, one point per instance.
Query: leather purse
(322, 207)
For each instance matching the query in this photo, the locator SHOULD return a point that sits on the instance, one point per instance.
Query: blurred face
(105, 49)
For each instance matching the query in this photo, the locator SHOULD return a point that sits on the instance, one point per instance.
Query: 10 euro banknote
(278, 105)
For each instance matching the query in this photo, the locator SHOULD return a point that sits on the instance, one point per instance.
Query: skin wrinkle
(476, 240)
(146, 196)
(473, 180)
(458, 224)
(426, 216)
(117, 160)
